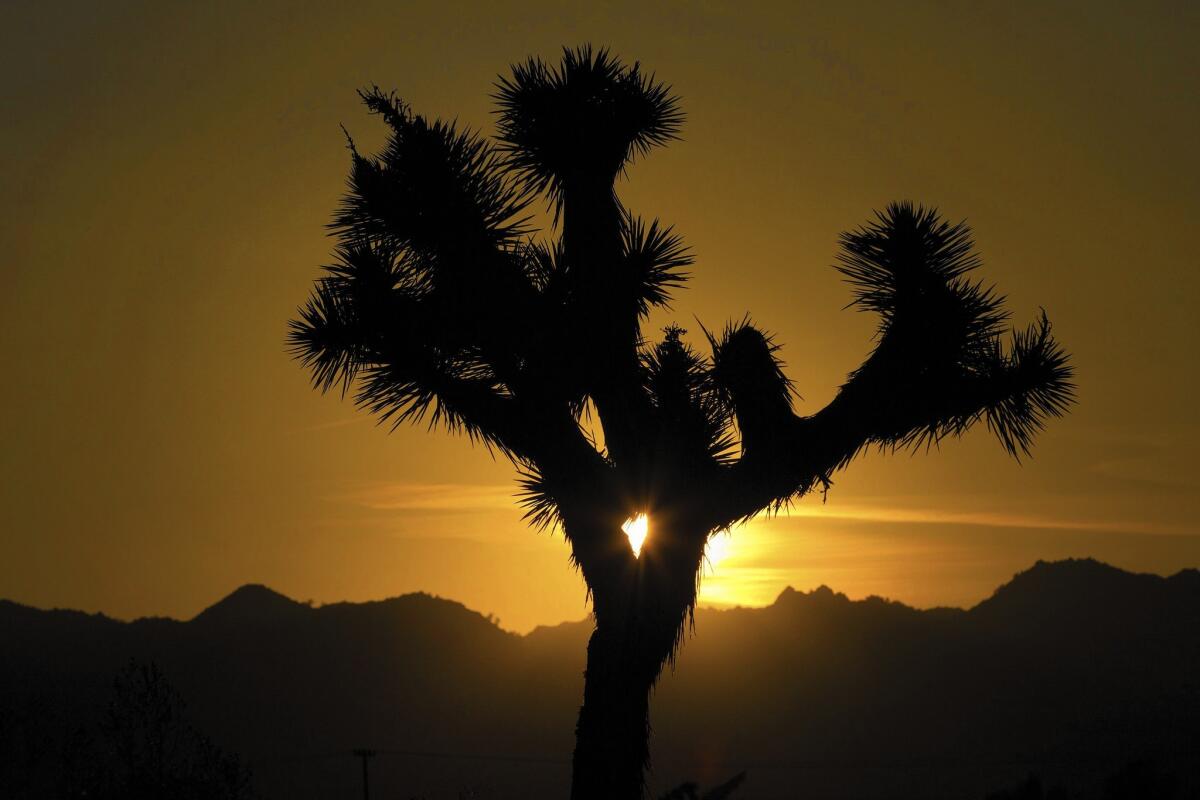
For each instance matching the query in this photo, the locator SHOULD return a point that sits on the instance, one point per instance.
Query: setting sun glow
(715, 551)
(717, 548)
(636, 530)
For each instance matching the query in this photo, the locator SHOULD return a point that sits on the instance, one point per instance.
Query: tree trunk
(612, 736)
(637, 629)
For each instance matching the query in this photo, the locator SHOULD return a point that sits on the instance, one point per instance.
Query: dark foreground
(1079, 674)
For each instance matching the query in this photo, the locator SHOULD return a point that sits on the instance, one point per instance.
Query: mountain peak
(1070, 572)
(821, 594)
(1081, 587)
(252, 603)
(1077, 565)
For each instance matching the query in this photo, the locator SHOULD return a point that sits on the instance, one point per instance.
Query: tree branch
(939, 367)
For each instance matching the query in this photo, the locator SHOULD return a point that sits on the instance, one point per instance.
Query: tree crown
(441, 304)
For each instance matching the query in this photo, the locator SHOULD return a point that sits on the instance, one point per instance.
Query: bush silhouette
(147, 750)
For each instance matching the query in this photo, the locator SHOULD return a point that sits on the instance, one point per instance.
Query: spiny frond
(351, 310)
(344, 315)
(541, 509)
(654, 261)
(326, 338)
(911, 266)
(447, 205)
(584, 119)
(688, 408)
(1015, 391)
(749, 375)
(1034, 381)
(433, 189)
(428, 304)
(939, 365)
(546, 267)
(542, 262)
(412, 381)
(372, 320)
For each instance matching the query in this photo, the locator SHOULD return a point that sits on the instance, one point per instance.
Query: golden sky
(170, 168)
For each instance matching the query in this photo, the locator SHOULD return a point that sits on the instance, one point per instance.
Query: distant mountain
(1071, 671)
(252, 604)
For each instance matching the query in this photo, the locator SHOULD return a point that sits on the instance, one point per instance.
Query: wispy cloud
(431, 497)
(985, 518)
(449, 497)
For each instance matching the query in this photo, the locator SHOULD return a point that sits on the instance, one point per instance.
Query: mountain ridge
(1067, 669)
(258, 601)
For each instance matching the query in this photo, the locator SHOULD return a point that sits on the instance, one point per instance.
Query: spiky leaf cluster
(750, 379)
(912, 268)
(653, 265)
(1032, 383)
(940, 363)
(438, 304)
(582, 120)
(433, 188)
(689, 410)
(426, 266)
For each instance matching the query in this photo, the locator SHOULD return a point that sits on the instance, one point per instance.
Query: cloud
(431, 497)
(985, 518)
(438, 498)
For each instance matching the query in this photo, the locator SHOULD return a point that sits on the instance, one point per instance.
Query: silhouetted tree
(440, 305)
(147, 749)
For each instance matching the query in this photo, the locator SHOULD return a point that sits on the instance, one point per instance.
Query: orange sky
(171, 168)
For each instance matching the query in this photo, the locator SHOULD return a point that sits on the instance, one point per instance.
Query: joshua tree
(442, 305)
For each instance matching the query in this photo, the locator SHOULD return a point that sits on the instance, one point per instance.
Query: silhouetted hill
(252, 605)
(1086, 589)
(1070, 671)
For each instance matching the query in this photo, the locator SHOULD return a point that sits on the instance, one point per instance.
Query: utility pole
(365, 755)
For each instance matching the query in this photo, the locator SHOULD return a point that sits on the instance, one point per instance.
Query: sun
(636, 529)
(717, 548)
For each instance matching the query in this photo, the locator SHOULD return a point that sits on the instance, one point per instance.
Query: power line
(287, 758)
(519, 759)
(358, 753)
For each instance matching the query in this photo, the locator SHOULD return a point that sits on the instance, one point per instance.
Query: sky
(171, 168)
